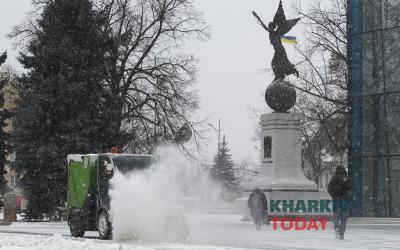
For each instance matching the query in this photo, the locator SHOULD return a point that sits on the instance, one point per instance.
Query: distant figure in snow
(340, 190)
(258, 205)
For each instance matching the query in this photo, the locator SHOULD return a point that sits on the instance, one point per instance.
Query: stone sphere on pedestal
(280, 96)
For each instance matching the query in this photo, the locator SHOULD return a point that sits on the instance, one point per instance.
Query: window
(267, 147)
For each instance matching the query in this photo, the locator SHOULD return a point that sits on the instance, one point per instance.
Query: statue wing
(279, 15)
(286, 26)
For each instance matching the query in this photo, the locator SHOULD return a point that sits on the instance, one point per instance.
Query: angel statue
(281, 65)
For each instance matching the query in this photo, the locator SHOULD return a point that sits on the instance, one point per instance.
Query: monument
(281, 176)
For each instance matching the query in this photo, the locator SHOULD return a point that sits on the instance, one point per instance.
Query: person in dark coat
(258, 205)
(340, 189)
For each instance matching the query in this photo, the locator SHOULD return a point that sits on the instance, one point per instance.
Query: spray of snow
(145, 204)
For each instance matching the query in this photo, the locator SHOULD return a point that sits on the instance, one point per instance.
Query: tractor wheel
(104, 226)
(76, 225)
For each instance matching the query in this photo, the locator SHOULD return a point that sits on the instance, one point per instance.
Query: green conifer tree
(61, 108)
(223, 168)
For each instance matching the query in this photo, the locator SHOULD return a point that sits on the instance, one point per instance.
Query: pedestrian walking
(258, 205)
(340, 189)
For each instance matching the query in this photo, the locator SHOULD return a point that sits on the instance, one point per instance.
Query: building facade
(11, 177)
(374, 49)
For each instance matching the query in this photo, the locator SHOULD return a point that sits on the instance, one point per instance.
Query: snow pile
(58, 242)
(144, 204)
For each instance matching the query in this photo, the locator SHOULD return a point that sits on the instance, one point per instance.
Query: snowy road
(211, 232)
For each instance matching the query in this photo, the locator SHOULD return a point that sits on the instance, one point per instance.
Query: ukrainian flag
(289, 39)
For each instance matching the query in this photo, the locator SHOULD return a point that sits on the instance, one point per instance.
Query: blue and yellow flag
(289, 39)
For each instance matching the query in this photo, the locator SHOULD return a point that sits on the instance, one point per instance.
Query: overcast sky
(232, 67)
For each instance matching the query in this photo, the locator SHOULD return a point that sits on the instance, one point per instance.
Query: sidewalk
(219, 231)
(376, 221)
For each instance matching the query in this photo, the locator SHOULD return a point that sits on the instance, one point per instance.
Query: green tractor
(88, 185)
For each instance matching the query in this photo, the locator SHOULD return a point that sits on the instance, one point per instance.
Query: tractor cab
(124, 163)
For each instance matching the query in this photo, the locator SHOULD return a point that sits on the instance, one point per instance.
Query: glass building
(374, 47)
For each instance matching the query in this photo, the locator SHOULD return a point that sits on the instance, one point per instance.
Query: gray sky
(12, 12)
(232, 67)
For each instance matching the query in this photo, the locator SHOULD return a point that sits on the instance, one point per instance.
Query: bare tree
(246, 170)
(323, 82)
(324, 56)
(150, 77)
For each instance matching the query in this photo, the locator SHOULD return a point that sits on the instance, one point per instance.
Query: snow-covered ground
(211, 232)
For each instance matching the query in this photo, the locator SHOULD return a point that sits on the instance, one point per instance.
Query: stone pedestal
(281, 153)
(281, 176)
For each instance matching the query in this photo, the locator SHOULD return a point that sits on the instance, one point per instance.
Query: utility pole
(219, 136)
(219, 133)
